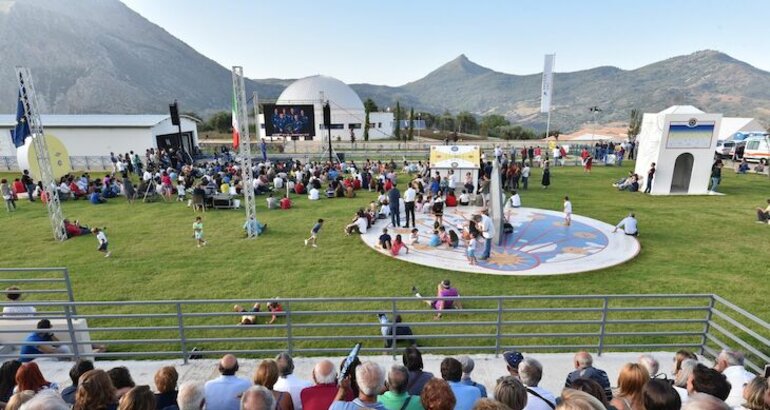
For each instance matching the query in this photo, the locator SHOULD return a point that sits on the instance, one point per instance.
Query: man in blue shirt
(452, 372)
(44, 335)
(223, 393)
(468, 365)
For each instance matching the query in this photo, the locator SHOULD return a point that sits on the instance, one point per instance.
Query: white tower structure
(244, 152)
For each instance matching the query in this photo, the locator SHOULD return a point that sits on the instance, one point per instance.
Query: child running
(102, 238)
(198, 231)
(314, 233)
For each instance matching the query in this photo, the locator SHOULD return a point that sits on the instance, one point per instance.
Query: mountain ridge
(99, 56)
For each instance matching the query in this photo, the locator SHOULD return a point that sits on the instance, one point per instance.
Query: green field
(701, 244)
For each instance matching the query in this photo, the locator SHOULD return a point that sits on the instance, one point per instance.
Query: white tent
(731, 125)
(680, 141)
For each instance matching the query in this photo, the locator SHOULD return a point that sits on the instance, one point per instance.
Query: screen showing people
(289, 120)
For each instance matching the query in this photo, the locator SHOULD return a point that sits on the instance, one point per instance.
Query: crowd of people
(641, 385)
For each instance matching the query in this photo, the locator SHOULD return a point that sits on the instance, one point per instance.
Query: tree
(446, 121)
(492, 121)
(370, 105)
(410, 133)
(367, 124)
(397, 130)
(514, 132)
(634, 124)
(222, 121)
(467, 122)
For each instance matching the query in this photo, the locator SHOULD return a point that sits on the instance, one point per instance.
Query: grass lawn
(708, 244)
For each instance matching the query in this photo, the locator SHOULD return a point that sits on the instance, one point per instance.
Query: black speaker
(174, 109)
(327, 115)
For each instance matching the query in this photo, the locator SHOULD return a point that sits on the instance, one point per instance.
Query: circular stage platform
(540, 245)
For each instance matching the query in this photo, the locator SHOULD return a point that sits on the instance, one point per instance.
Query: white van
(757, 149)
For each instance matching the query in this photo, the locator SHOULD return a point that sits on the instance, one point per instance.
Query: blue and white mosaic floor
(541, 244)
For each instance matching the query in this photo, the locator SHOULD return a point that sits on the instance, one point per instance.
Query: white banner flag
(547, 89)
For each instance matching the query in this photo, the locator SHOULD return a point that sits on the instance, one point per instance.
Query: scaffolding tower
(32, 116)
(241, 118)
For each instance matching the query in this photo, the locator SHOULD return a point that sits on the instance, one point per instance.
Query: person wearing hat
(512, 359)
(444, 290)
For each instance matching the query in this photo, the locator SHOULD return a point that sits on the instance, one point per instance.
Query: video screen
(289, 120)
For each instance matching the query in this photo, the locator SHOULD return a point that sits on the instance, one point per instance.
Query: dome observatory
(347, 109)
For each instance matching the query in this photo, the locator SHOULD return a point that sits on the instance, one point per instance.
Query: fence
(486, 324)
(79, 163)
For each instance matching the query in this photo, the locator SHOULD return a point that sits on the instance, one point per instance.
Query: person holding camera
(44, 334)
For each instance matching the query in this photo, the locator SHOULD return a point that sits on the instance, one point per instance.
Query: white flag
(547, 89)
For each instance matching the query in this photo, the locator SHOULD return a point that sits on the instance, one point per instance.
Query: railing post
(71, 330)
(68, 284)
(604, 325)
(707, 325)
(394, 339)
(289, 340)
(498, 333)
(88, 167)
(182, 337)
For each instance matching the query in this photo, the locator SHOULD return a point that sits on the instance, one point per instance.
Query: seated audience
(222, 393)
(287, 381)
(593, 388)
(8, 380)
(44, 334)
(578, 400)
(256, 398)
(191, 396)
(702, 401)
(660, 395)
(138, 398)
(754, 394)
(95, 391)
(29, 377)
(412, 359)
(313, 194)
(709, 381)
(285, 202)
(398, 244)
(321, 395)
(650, 364)
(165, 382)
(466, 396)
(511, 392)
(78, 369)
(763, 214)
(437, 395)
(12, 305)
(730, 363)
(121, 379)
(631, 382)
(468, 365)
(266, 375)
(384, 240)
(538, 398)
(371, 381)
(272, 202)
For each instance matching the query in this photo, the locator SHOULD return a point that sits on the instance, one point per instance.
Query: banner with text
(547, 89)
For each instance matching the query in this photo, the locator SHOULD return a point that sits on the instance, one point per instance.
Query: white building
(98, 135)
(680, 141)
(347, 109)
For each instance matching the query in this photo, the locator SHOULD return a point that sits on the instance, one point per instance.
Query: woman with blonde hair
(511, 392)
(754, 394)
(266, 375)
(95, 392)
(138, 398)
(572, 399)
(631, 383)
(18, 399)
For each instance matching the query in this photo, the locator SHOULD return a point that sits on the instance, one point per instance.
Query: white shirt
(147, 176)
(489, 226)
(101, 237)
(222, 393)
(464, 198)
(514, 201)
(64, 188)
(362, 223)
(567, 207)
(452, 181)
(292, 385)
(278, 182)
(738, 377)
(629, 225)
(410, 194)
(313, 194)
(12, 310)
(525, 172)
(535, 403)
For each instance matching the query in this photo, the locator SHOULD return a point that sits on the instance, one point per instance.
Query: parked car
(757, 149)
(723, 148)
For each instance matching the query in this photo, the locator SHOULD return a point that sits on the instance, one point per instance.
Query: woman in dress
(546, 176)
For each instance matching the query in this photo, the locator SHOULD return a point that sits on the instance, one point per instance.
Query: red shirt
(451, 200)
(299, 188)
(18, 187)
(320, 396)
(285, 203)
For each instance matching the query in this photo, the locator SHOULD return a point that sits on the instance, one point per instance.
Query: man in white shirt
(567, 211)
(538, 398)
(451, 180)
(730, 364)
(223, 393)
(289, 383)
(629, 225)
(13, 294)
(525, 176)
(514, 201)
(491, 232)
(277, 182)
(313, 194)
(409, 196)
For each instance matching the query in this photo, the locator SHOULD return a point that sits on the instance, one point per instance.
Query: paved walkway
(488, 367)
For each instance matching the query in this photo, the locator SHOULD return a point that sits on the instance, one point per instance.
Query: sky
(393, 42)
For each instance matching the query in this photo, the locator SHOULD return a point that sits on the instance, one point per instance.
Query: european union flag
(21, 131)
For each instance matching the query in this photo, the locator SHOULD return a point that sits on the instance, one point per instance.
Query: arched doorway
(680, 181)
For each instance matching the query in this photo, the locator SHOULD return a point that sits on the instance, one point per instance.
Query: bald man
(223, 393)
(321, 395)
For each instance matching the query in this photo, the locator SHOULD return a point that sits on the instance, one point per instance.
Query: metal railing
(486, 324)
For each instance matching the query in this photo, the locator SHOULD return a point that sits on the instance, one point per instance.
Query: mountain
(99, 56)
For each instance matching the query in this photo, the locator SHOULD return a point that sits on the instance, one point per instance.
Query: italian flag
(236, 133)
